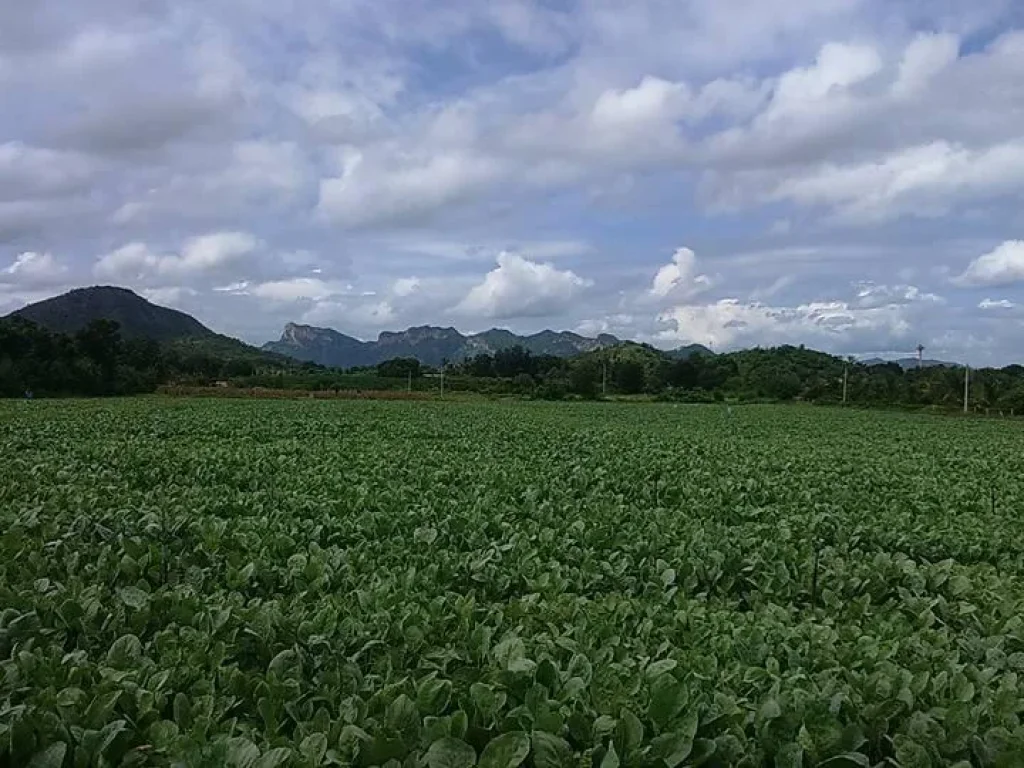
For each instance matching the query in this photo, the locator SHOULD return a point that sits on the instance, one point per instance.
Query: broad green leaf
(675, 746)
(668, 697)
(450, 752)
(242, 753)
(274, 758)
(286, 664)
(125, 652)
(611, 758)
(790, 756)
(108, 733)
(629, 732)
(550, 751)
(182, 711)
(506, 751)
(661, 667)
(910, 753)
(313, 748)
(769, 710)
(51, 757)
(133, 597)
(403, 716)
(433, 695)
(846, 760)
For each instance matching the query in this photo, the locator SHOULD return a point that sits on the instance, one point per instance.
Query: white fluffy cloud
(519, 287)
(201, 255)
(35, 270)
(1002, 266)
(297, 289)
(398, 190)
(171, 296)
(731, 322)
(926, 181)
(679, 279)
(996, 304)
(872, 295)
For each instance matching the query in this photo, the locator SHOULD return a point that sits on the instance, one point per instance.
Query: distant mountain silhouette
(432, 345)
(138, 318)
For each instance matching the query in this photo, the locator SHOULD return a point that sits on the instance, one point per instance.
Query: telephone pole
(846, 371)
(967, 385)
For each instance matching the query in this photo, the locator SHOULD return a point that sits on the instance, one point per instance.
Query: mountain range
(433, 346)
(140, 318)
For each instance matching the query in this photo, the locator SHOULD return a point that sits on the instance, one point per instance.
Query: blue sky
(846, 174)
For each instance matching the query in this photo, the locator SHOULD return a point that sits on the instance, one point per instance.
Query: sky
(844, 174)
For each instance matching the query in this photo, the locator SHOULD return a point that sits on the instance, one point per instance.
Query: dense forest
(97, 360)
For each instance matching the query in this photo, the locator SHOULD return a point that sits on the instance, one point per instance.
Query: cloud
(924, 60)
(1002, 266)
(996, 304)
(835, 324)
(376, 191)
(298, 289)
(351, 314)
(872, 295)
(199, 255)
(34, 269)
(406, 286)
(926, 181)
(28, 172)
(362, 143)
(519, 287)
(171, 296)
(678, 279)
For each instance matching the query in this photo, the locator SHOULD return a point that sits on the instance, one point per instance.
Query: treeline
(99, 361)
(778, 374)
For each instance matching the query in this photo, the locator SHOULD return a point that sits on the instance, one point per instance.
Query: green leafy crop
(449, 585)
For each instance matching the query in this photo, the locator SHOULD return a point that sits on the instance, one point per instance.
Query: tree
(100, 341)
(629, 377)
(584, 376)
(509, 362)
(400, 367)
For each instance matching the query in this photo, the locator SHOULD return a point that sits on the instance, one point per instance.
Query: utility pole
(967, 385)
(846, 371)
(442, 381)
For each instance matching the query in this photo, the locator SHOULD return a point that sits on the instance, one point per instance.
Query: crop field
(441, 585)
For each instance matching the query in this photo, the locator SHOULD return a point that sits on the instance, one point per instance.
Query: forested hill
(136, 317)
(99, 360)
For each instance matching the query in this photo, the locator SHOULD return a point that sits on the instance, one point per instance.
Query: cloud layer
(841, 173)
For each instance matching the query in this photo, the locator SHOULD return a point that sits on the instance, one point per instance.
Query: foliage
(301, 583)
(97, 360)
(400, 367)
